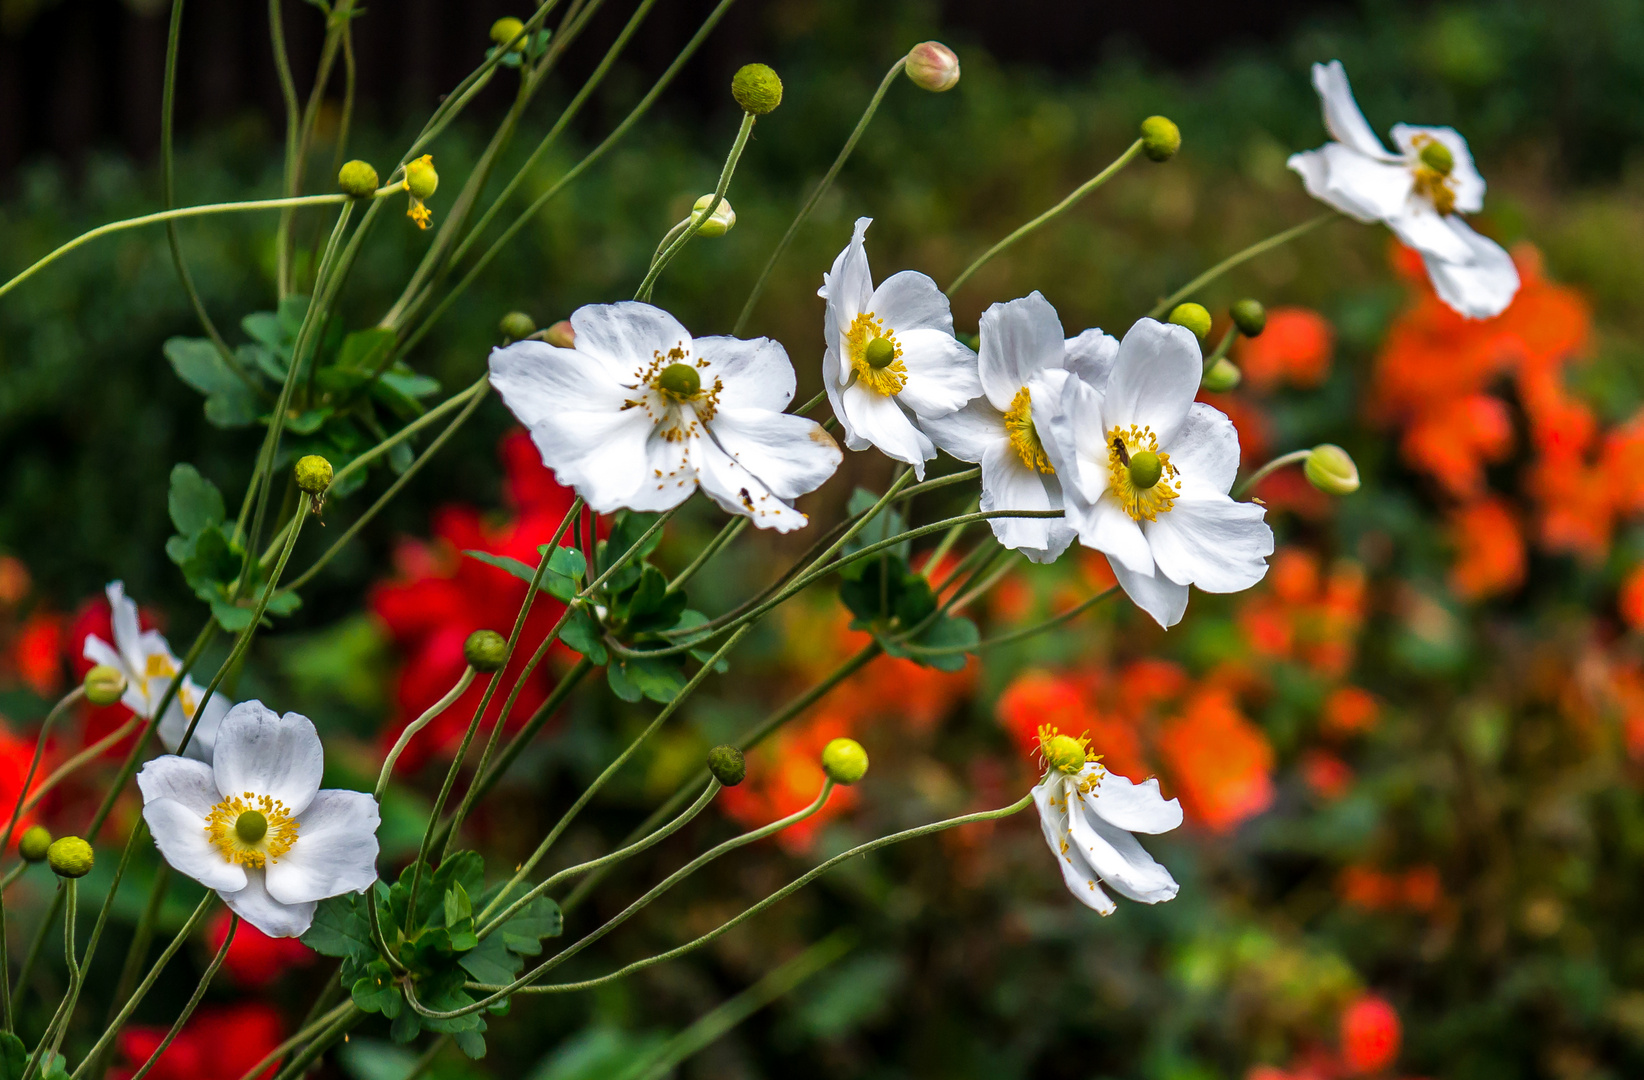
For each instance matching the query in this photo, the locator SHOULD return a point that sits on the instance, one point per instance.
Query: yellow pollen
(418, 211)
(888, 376)
(224, 827)
(1435, 186)
(1142, 504)
(158, 665)
(1024, 437)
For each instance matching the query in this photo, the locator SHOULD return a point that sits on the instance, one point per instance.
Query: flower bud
(720, 222)
(1161, 138)
(420, 178)
(34, 843)
(516, 325)
(104, 685)
(756, 88)
(933, 66)
(1194, 317)
(562, 334)
(1249, 316)
(485, 650)
(505, 30)
(844, 761)
(313, 474)
(70, 857)
(1223, 376)
(1331, 470)
(728, 765)
(357, 178)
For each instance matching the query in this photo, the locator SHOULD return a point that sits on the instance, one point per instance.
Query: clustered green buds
(1223, 376)
(844, 761)
(1194, 317)
(70, 857)
(933, 66)
(34, 843)
(720, 222)
(728, 765)
(1249, 316)
(505, 30)
(1161, 138)
(756, 88)
(561, 334)
(1436, 156)
(485, 650)
(1331, 470)
(516, 326)
(358, 179)
(313, 474)
(104, 685)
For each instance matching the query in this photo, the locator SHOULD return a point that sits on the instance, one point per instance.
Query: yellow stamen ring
(1128, 452)
(1024, 437)
(251, 830)
(875, 355)
(1432, 173)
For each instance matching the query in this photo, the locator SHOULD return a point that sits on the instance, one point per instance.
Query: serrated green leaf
(341, 927)
(376, 992)
(235, 408)
(503, 562)
(194, 502)
(265, 360)
(565, 567)
(581, 633)
(887, 523)
(406, 1027)
(411, 383)
(198, 363)
(659, 679)
(263, 327)
(490, 962)
(539, 919)
(470, 1042)
(231, 617)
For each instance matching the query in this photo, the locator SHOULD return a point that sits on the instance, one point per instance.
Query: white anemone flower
(638, 414)
(1420, 192)
(146, 660)
(1088, 815)
(891, 359)
(1024, 365)
(254, 824)
(1146, 470)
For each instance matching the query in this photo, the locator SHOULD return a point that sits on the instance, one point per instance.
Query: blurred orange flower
(785, 775)
(1296, 348)
(1489, 547)
(1220, 763)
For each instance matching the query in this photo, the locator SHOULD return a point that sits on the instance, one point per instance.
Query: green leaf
(491, 962)
(14, 1057)
(231, 617)
(470, 1042)
(582, 633)
(539, 919)
(263, 327)
(341, 928)
(194, 502)
(503, 562)
(650, 606)
(949, 633)
(886, 524)
(365, 350)
(198, 363)
(376, 992)
(659, 679)
(565, 567)
(622, 686)
(267, 361)
(410, 383)
(624, 534)
(406, 1027)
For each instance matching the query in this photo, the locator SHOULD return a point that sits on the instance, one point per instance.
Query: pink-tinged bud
(561, 334)
(933, 66)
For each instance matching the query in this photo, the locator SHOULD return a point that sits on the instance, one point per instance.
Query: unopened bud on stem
(517, 325)
(1161, 138)
(1330, 469)
(485, 650)
(720, 222)
(1249, 316)
(933, 66)
(505, 30)
(104, 685)
(844, 761)
(1194, 317)
(562, 334)
(35, 842)
(756, 88)
(313, 474)
(70, 857)
(358, 179)
(1223, 376)
(728, 765)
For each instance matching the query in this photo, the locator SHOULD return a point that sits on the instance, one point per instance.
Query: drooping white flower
(637, 415)
(147, 662)
(891, 356)
(1420, 192)
(1145, 473)
(1024, 365)
(1088, 815)
(254, 824)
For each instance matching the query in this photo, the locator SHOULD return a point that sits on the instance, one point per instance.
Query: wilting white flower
(891, 356)
(146, 661)
(1023, 366)
(637, 414)
(1088, 814)
(1420, 192)
(1145, 473)
(254, 824)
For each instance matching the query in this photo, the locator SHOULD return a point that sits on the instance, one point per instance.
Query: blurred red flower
(1349, 711)
(1370, 1036)
(218, 1043)
(255, 959)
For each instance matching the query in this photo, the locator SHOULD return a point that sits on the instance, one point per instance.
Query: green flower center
(251, 826)
(1436, 156)
(879, 353)
(1145, 469)
(680, 382)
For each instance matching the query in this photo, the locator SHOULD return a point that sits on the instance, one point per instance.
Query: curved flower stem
(732, 529)
(288, 92)
(69, 889)
(417, 725)
(308, 1031)
(22, 805)
(1017, 635)
(965, 598)
(337, 20)
(1163, 307)
(815, 196)
(193, 1001)
(90, 753)
(136, 952)
(1049, 215)
(697, 220)
(1220, 350)
(136, 998)
(1293, 458)
(350, 1018)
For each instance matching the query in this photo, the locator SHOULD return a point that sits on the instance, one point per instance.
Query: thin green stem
(69, 889)
(308, 1031)
(288, 92)
(322, 1042)
(136, 952)
(193, 1002)
(731, 530)
(1220, 350)
(1016, 635)
(73, 764)
(698, 220)
(417, 725)
(1163, 307)
(1295, 457)
(1049, 215)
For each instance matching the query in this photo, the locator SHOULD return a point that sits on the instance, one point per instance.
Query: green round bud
(1145, 469)
(1063, 753)
(756, 88)
(720, 222)
(313, 474)
(562, 334)
(933, 66)
(879, 353)
(421, 179)
(357, 178)
(728, 765)
(1331, 470)
(844, 761)
(505, 30)
(1194, 317)
(516, 326)
(485, 650)
(1249, 316)
(1161, 138)
(1223, 376)
(1436, 156)
(34, 843)
(251, 826)
(104, 685)
(70, 857)
(679, 381)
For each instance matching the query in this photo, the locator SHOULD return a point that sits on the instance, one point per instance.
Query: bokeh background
(1411, 759)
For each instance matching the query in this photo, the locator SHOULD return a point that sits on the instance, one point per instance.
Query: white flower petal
(872, 417)
(174, 724)
(1160, 597)
(185, 781)
(1212, 542)
(253, 904)
(1119, 860)
(1133, 807)
(1106, 527)
(622, 335)
(1465, 180)
(265, 754)
(967, 433)
(335, 851)
(1154, 380)
(1091, 355)
(99, 651)
(790, 454)
(756, 374)
(1342, 117)
(668, 475)
(941, 373)
(739, 491)
(1483, 287)
(1423, 229)
(848, 286)
(1363, 187)
(123, 617)
(911, 301)
(1074, 439)
(1205, 451)
(1008, 484)
(1077, 874)
(181, 836)
(1019, 338)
